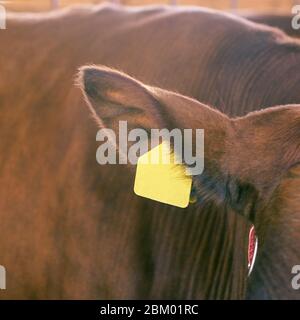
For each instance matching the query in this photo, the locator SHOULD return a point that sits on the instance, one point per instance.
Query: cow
(280, 21)
(73, 229)
(261, 184)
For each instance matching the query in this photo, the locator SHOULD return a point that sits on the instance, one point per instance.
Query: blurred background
(274, 6)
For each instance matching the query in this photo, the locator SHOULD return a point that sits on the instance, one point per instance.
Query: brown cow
(74, 229)
(261, 183)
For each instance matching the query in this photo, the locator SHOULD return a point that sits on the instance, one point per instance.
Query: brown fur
(259, 183)
(73, 229)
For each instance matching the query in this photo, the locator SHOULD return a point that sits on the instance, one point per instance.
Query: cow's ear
(114, 96)
(267, 143)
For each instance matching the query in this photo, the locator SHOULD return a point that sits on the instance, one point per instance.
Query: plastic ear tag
(159, 178)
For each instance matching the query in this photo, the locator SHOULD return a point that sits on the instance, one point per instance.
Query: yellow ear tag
(159, 178)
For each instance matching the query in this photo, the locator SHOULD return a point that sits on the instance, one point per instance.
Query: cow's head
(247, 159)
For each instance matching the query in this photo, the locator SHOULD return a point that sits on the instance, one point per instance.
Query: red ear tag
(252, 249)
